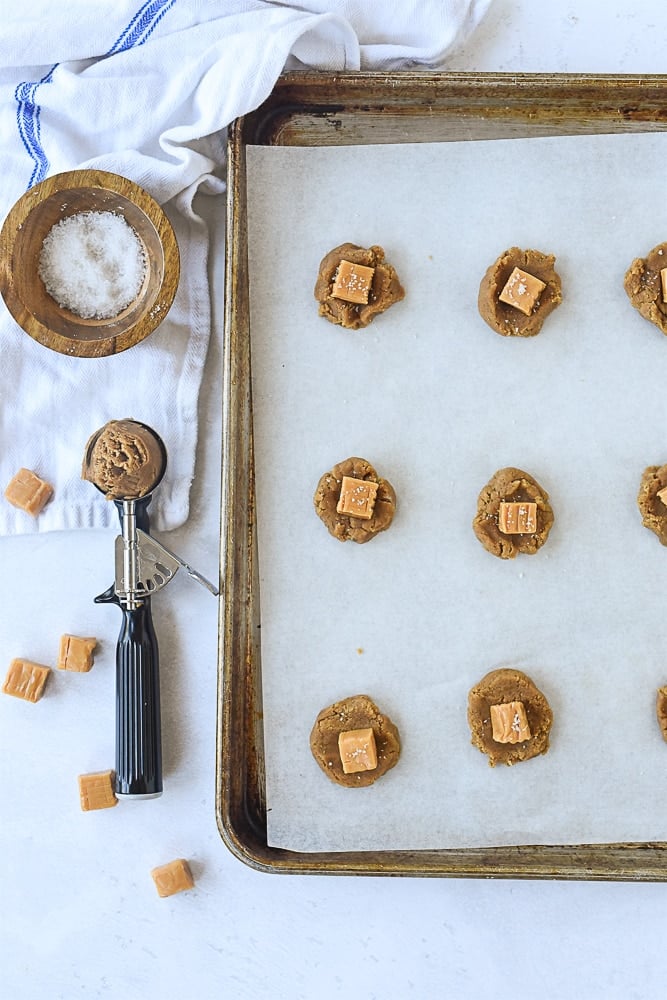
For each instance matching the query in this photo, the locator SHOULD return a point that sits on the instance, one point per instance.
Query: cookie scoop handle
(138, 730)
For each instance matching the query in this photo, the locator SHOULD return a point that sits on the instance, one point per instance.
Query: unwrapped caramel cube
(663, 283)
(173, 877)
(76, 653)
(509, 723)
(26, 679)
(357, 498)
(97, 791)
(522, 291)
(517, 518)
(28, 492)
(352, 282)
(357, 750)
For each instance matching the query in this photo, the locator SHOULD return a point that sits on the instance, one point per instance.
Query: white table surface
(79, 914)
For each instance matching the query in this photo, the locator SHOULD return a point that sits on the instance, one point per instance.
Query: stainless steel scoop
(142, 567)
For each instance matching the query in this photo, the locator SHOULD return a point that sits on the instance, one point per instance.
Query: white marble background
(79, 916)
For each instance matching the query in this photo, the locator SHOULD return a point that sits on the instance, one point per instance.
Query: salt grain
(93, 263)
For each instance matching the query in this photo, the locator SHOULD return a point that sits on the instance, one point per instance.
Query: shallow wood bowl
(21, 238)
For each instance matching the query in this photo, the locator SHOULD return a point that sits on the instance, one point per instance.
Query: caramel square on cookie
(509, 722)
(522, 291)
(352, 282)
(357, 498)
(517, 518)
(357, 750)
(28, 492)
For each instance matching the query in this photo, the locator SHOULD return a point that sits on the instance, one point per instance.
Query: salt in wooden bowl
(21, 240)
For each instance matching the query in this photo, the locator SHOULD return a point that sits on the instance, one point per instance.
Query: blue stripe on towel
(28, 123)
(142, 25)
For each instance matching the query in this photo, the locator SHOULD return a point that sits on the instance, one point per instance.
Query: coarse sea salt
(93, 263)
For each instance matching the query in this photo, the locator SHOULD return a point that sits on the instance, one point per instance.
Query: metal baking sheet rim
(347, 108)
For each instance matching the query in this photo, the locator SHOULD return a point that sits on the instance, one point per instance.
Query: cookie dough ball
(372, 293)
(512, 486)
(652, 506)
(530, 301)
(643, 285)
(661, 710)
(509, 687)
(356, 712)
(375, 504)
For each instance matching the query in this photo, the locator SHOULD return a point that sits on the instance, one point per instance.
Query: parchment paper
(438, 402)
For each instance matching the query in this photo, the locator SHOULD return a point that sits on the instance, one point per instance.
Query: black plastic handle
(138, 729)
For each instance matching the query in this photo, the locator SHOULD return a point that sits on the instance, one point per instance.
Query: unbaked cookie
(661, 710)
(358, 712)
(504, 691)
(652, 506)
(513, 514)
(354, 285)
(518, 292)
(354, 502)
(646, 288)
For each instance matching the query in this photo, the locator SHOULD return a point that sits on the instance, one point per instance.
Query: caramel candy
(661, 709)
(352, 282)
(26, 679)
(517, 518)
(173, 877)
(663, 283)
(357, 498)
(28, 492)
(522, 291)
(96, 790)
(357, 750)
(76, 653)
(509, 723)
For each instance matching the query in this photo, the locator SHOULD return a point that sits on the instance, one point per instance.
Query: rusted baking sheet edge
(318, 108)
(338, 109)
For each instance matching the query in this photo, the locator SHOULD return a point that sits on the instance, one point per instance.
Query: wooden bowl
(21, 238)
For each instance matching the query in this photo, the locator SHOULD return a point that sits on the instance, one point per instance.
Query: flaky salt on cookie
(354, 502)
(518, 291)
(355, 284)
(509, 717)
(354, 743)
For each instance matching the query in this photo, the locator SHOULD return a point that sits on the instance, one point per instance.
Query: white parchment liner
(437, 402)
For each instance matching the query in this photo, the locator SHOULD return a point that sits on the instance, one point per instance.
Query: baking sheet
(438, 402)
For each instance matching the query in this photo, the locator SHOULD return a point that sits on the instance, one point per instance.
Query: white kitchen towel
(146, 90)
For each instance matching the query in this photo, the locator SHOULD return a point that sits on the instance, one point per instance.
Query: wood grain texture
(21, 238)
(311, 109)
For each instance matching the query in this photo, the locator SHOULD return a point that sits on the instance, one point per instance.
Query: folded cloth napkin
(146, 90)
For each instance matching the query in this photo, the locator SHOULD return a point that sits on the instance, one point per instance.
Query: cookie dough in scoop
(125, 460)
